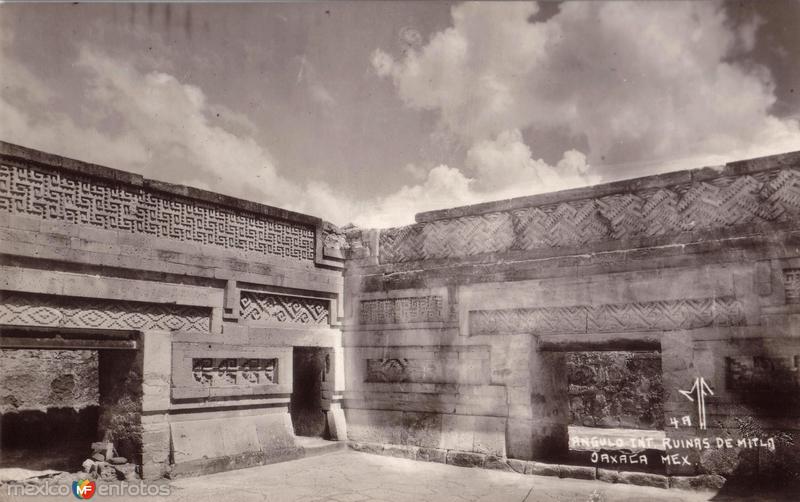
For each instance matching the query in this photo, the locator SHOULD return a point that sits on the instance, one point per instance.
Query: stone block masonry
(171, 311)
(447, 340)
(698, 268)
(64, 379)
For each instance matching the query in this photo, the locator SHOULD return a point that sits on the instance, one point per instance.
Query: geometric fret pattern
(724, 202)
(791, 284)
(268, 307)
(67, 197)
(609, 318)
(227, 372)
(23, 309)
(400, 310)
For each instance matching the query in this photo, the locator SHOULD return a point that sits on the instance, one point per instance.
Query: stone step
(313, 446)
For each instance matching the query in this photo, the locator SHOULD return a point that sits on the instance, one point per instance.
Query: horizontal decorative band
(610, 318)
(25, 309)
(81, 200)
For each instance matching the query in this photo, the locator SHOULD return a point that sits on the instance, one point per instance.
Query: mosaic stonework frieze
(392, 370)
(725, 202)
(754, 373)
(791, 285)
(22, 309)
(227, 372)
(610, 318)
(81, 200)
(269, 307)
(400, 310)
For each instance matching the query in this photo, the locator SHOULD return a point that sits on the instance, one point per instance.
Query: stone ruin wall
(211, 292)
(63, 379)
(457, 326)
(615, 389)
(455, 331)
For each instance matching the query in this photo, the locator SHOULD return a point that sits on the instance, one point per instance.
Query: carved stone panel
(449, 367)
(610, 318)
(226, 372)
(23, 309)
(82, 200)
(387, 370)
(220, 371)
(401, 310)
(274, 308)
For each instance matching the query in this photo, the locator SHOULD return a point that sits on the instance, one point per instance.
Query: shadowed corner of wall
(769, 401)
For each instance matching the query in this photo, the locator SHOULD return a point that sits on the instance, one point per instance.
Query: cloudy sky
(370, 112)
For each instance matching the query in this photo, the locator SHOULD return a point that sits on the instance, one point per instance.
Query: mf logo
(83, 489)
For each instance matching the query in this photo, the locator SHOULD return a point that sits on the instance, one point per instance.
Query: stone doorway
(616, 408)
(61, 391)
(312, 390)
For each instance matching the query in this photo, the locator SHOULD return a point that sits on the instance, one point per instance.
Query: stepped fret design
(51, 195)
(268, 307)
(609, 318)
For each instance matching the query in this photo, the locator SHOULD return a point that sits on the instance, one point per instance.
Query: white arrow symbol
(701, 387)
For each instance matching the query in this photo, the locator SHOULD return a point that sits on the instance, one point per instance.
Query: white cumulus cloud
(639, 80)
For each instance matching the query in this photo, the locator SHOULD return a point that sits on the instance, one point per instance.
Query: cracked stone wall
(42, 379)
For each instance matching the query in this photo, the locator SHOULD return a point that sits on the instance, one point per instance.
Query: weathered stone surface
(691, 262)
(374, 448)
(616, 389)
(608, 475)
(701, 482)
(106, 472)
(98, 457)
(517, 465)
(643, 479)
(497, 463)
(401, 451)
(231, 436)
(465, 459)
(432, 455)
(64, 379)
(540, 469)
(127, 472)
(337, 425)
(577, 471)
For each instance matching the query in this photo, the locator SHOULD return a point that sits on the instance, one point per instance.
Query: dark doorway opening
(616, 409)
(312, 390)
(56, 399)
(55, 438)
